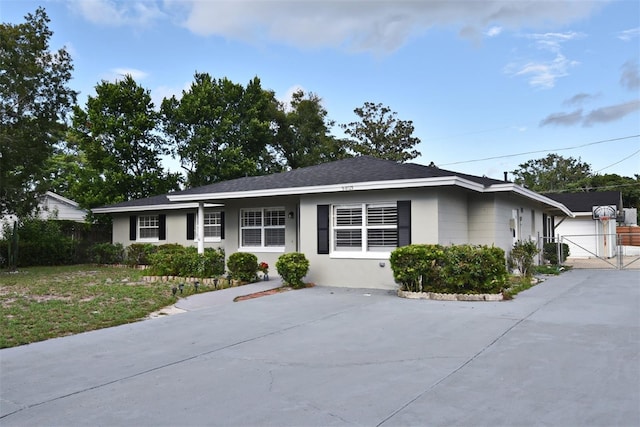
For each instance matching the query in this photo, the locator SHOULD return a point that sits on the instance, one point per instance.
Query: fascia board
(334, 188)
(62, 199)
(510, 187)
(144, 208)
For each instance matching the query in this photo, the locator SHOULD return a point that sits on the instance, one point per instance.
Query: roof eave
(511, 187)
(146, 208)
(333, 188)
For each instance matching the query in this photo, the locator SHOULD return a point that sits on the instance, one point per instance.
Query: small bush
(550, 252)
(417, 266)
(474, 269)
(243, 266)
(521, 256)
(138, 253)
(292, 267)
(107, 253)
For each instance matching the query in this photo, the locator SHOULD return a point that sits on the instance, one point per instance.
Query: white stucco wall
(453, 216)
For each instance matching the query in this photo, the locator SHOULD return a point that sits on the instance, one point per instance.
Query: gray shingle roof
(584, 201)
(352, 170)
(347, 171)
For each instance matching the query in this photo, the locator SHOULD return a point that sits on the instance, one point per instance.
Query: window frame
(140, 227)
(219, 226)
(259, 222)
(364, 226)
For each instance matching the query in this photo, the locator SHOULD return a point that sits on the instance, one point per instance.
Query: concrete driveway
(565, 353)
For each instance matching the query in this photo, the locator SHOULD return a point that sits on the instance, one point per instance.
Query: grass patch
(39, 303)
(550, 269)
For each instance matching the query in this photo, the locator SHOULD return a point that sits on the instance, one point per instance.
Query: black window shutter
(133, 227)
(222, 225)
(162, 224)
(404, 222)
(323, 229)
(191, 226)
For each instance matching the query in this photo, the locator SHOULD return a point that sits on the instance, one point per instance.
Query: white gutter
(515, 188)
(143, 208)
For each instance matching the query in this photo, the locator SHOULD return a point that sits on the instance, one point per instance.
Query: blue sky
(507, 81)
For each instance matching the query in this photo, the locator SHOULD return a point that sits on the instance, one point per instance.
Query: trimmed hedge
(465, 269)
(176, 260)
(292, 267)
(243, 266)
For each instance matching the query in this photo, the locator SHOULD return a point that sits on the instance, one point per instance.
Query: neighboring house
(345, 216)
(52, 206)
(586, 236)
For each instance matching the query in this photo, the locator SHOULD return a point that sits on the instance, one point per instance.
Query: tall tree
(221, 130)
(303, 137)
(118, 133)
(553, 173)
(380, 133)
(34, 101)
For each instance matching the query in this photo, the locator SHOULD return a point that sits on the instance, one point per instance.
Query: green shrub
(521, 256)
(138, 253)
(550, 252)
(107, 253)
(417, 266)
(451, 269)
(292, 267)
(474, 269)
(36, 241)
(243, 266)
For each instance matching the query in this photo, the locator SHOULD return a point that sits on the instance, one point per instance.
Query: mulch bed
(269, 292)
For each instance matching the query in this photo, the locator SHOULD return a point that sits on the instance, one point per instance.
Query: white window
(262, 228)
(365, 228)
(212, 226)
(148, 227)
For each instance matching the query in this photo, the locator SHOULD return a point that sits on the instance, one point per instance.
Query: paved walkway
(563, 353)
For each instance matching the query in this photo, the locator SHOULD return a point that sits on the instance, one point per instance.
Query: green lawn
(39, 303)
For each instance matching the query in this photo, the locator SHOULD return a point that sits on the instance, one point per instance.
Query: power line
(505, 156)
(619, 161)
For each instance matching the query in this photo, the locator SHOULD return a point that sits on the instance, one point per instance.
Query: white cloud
(493, 31)
(117, 13)
(119, 73)
(376, 26)
(628, 35)
(543, 73)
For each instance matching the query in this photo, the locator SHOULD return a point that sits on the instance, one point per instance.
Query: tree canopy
(553, 173)
(303, 133)
(118, 134)
(34, 101)
(381, 134)
(221, 130)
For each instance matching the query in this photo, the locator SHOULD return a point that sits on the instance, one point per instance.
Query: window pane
(274, 218)
(212, 224)
(381, 239)
(148, 226)
(382, 215)
(348, 216)
(348, 239)
(251, 219)
(252, 237)
(274, 236)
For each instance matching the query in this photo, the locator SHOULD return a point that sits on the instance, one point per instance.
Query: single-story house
(52, 206)
(346, 216)
(586, 234)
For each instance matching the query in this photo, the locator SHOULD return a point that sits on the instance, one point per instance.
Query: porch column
(200, 227)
